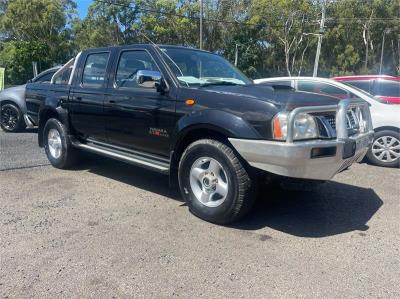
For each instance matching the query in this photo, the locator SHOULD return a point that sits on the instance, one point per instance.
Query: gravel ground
(106, 229)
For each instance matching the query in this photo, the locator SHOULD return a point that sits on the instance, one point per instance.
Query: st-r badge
(158, 132)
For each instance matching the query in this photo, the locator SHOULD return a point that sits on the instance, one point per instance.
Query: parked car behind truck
(13, 111)
(386, 88)
(190, 114)
(385, 150)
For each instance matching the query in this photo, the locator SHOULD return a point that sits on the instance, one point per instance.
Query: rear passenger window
(307, 86)
(331, 90)
(282, 83)
(322, 88)
(94, 73)
(364, 85)
(64, 77)
(129, 64)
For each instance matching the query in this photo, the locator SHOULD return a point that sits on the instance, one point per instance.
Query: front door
(138, 117)
(86, 101)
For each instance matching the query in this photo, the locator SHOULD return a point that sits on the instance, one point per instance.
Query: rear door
(138, 117)
(86, 100)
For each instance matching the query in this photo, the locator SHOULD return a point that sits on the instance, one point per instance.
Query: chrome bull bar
(362, 112)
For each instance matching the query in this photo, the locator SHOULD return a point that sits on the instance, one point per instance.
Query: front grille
(331, 119)
(352, 122)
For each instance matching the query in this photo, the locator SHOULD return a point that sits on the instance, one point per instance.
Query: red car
(387, 88)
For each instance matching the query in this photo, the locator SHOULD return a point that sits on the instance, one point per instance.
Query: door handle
(111, 101)
(79, 98)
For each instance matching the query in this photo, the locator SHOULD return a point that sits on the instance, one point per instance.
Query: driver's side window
(129, 64)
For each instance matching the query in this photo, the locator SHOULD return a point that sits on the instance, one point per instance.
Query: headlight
(305, 126)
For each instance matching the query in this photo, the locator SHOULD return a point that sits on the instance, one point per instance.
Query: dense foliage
(272, 37)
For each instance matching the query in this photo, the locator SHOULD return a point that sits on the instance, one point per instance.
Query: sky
(83, 7)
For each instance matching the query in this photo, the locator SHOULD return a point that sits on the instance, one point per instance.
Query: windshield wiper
(226, 83)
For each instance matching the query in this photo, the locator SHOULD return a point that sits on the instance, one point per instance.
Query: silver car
(13, 111)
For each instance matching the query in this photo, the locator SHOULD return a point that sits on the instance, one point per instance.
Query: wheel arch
(10, 101)
(387, 128)
(209, 123)
(45, 114)
(219, 125)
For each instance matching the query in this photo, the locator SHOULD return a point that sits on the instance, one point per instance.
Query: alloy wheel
(9, 117)
(208, 181)
(54, 143)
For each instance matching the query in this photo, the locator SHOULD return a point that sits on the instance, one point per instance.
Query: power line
(248, 24)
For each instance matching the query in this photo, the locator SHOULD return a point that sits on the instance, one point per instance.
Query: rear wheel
(11, 118)
(57, 145)
(385, 150)
(214, 182)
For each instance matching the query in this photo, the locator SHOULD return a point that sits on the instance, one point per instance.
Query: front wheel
(214, 182)
(57, 145)
(385, 150)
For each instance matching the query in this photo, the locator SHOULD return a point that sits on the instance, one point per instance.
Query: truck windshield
(195, 68)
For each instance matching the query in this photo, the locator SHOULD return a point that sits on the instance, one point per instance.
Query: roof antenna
(148, 39)
(162, 52)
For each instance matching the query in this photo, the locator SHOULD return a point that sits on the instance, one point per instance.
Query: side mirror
(151, 79)
(148, 79)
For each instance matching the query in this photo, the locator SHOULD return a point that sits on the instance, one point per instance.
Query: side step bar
(128, 157)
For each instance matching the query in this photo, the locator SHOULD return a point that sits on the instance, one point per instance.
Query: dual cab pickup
(192, 115)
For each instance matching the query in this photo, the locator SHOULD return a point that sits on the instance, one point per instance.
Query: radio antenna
(162, 52)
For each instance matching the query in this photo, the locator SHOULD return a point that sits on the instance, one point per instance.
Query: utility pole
(201, 24)
(321, 31)
(386, 31)
(236, 54)
(34, 68)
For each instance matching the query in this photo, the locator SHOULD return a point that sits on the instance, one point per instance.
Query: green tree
(169, 22)
(289, 28)
(17, 57)
(106, 24)
(353, 40)
(35, 30)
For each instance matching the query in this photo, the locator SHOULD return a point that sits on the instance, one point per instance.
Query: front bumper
(315, 159)
(295, 159)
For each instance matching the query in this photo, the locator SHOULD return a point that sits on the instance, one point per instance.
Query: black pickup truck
(192, 115)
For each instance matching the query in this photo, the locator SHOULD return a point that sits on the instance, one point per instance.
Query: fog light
(321, 152)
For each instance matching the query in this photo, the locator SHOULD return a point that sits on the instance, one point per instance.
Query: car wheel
(214, 182)
(385, 150)
(11, 119)
(57, 145)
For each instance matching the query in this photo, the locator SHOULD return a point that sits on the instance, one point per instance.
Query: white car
(385, 150)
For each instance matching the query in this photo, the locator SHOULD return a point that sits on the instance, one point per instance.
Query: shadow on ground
(32, 131)
(122, 172)
(335, 208)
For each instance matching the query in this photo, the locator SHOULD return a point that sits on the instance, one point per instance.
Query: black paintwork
(126, 118)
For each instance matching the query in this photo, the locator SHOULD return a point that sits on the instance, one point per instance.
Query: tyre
(57, 145)
(11, 119)
(214, 182)
(385, 150)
